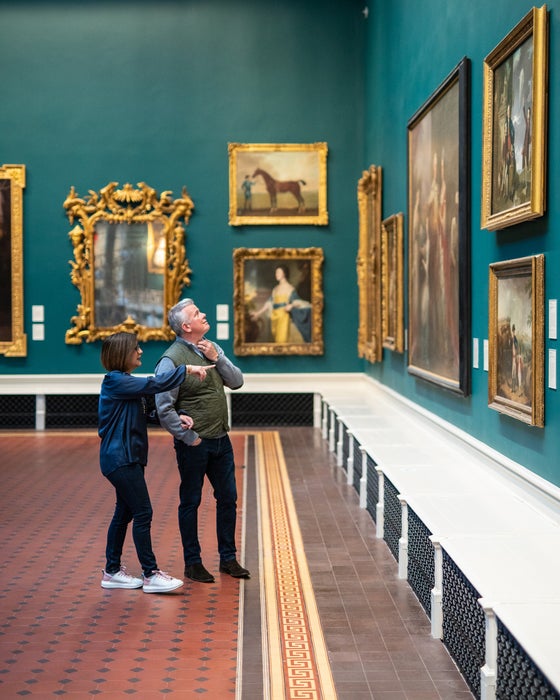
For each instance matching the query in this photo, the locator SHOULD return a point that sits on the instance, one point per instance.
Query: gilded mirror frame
(140, 209)
(368, 265)
(13, 341)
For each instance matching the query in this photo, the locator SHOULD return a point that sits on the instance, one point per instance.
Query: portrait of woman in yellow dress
(289, 315)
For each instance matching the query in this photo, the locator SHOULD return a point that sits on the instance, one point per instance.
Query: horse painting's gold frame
(246, 261)
(392, 282)
(504, 396)
(296, 174)
(126, 205)
(368, 265)
(534, 26)
(14, 176)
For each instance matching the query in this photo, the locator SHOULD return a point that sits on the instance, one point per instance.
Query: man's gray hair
(175, 316)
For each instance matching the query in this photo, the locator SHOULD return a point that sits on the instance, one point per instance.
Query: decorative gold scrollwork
(130, 262)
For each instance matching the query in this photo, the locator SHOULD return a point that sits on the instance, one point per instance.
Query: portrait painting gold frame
(368, 264)
(439, 273)
(129, 260)
(392, 282)
(278, 183)
(13, 341)
(516, 339)
(514, 151)
(278, 301)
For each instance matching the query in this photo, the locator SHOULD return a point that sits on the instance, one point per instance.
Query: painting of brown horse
(274, 187)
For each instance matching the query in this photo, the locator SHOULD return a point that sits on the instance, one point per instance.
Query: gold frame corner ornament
(126, 205)
(254, 154)
(392, 285)
(530, 269)
(368, 264)
(534, 26)
(16, 345)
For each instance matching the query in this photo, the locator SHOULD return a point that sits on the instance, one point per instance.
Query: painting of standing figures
(514, 124)
(515, 338)
(277, 184)
(439, 288)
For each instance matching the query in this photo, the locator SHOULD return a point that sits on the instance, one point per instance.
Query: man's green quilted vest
(205, 402)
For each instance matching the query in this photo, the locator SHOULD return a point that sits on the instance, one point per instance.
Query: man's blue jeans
(133, 503)
(213, 458)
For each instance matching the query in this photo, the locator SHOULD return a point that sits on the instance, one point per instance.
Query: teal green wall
(94, 92)
(411, 48)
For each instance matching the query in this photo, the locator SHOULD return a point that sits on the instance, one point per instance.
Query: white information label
(475, 353)
(553, 319)
(485, 350)
(552, 369)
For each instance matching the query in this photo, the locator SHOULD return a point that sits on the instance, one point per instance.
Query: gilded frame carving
(278, 183)
(128, 221)
(516, 95)
(516, 339)
(266, 280)
(392, 282)
(368, 265)
(13, 341)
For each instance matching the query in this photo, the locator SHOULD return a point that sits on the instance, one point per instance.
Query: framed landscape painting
(278, 183)
(278, 301)
(516, 339)
(439, 236)
(514, 125)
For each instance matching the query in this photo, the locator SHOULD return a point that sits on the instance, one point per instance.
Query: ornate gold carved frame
(368, 265)
(13, 341)
(278, 301)
(129, 260)
(392, 282)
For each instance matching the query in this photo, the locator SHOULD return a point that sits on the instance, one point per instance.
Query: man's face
(196, 320)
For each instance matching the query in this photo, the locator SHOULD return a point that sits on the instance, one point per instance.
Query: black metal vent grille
(17, 412)
(420, 571)
(372, 491)
(463, 623)
(393, 518)
(74, 411)
(357, 455)
(271, 410)
(518, 677)
(345, 444)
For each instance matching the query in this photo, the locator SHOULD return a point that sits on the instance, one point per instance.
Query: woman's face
(134, 359)
(279, 274)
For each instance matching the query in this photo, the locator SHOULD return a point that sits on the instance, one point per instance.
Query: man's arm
(231, 375)
(168, 416)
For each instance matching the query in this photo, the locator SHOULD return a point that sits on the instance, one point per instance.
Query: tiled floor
(62, 635)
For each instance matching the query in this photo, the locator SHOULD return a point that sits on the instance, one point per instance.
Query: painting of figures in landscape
(277, 184)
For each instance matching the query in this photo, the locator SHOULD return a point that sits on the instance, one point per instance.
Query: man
(205, 450)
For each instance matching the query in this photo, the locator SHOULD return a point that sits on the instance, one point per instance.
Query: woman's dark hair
(116, 350)
(285, 269)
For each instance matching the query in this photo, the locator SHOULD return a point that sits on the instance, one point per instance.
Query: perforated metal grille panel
(75, 411)
(17, 412)
(271, 410)
(463, 623)
(372, 491)
(357, 456)
(345, 445)
(420, 571)
(393, 518)
(518, 677)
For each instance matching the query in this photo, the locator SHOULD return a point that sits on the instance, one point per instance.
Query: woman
(290, 316)
(123, 456)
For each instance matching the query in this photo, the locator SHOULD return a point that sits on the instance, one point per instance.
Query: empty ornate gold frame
(129, 260)
(516, 308)
(265, 281)
(516, 76)
(392, 282)
(278, 183)
(13, 341)
(368, 265)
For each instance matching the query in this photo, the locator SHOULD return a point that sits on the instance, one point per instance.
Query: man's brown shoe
(197, 572)
(233, 568)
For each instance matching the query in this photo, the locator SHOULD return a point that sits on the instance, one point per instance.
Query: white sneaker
(122, 579)
(161, 582)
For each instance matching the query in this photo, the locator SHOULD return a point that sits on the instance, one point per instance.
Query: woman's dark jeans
(133, 503)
